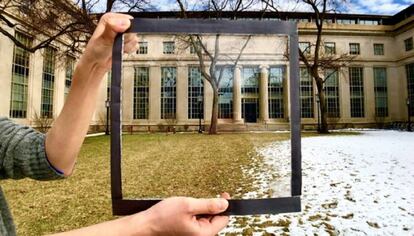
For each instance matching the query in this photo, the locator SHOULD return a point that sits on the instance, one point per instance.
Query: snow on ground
(352, 185)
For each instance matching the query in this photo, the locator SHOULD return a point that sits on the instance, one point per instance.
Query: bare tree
(319, 60)
(52, 20)
(208, 60)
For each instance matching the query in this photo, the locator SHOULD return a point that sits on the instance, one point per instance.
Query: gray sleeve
(22, 153)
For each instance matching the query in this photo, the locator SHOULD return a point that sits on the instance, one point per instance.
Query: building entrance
(250, 110)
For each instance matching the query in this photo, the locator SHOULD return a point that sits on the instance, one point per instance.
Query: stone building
(162, 83)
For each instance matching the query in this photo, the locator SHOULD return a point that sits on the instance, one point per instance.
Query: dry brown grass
(154, 165)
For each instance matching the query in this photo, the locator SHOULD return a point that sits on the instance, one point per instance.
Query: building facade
(163, 86)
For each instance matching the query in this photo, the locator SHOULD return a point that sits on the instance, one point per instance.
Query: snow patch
(352, 185)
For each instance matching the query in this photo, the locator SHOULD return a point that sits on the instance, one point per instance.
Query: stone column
(154, 94)
(286, 94)
(264, 94)
(128, 75)
(237, 95)
(182, 95)
(208, 101)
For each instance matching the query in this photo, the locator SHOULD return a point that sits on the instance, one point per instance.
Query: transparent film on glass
(201, 113)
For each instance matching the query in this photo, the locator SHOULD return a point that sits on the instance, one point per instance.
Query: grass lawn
(154, 165)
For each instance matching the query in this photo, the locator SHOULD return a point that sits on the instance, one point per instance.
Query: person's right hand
(180, 216)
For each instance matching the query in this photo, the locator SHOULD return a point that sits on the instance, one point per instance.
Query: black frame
(122, 206)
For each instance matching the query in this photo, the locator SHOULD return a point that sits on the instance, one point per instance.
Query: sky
(382, 7)
(379, 7)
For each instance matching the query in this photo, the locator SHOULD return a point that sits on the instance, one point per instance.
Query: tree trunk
(214, 113)
(322, 107)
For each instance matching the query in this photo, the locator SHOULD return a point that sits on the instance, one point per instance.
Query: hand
(99, 48)
(179, 216)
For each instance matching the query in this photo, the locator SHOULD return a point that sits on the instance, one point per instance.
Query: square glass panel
(224, 74)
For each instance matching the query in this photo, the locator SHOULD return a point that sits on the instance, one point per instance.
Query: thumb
(110, 25)
(115, 25)
(208, 206)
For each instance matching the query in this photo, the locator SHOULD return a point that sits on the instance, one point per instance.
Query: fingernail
(222, 203)
(122, 22)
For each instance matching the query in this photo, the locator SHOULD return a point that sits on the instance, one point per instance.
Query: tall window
(142, 48)
(410, 85)
(225, 110)
(356, 86)
(20, 75)
(141, 92)
(48, 82)
(354, 49)
(330, 48)
(305, 47)
(275, 88)
(168, 92)
(380, 87)
(332, 93)
(70, 64)
(195, 90)
(378, 49)
(306, 93)
(250, 88)
(408, 43)
(108, 85)
(168, 47)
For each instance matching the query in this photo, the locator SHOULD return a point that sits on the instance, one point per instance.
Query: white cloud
(383, 7)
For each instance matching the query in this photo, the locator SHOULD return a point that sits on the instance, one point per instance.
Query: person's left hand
(99, 48)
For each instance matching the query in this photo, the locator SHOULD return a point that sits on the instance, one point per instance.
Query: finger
(225, 195)
(111, 24)
(130, 46)
(129, 37)
(207, 206)
(218, 223)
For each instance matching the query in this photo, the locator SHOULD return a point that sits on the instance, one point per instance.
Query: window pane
(275, 90)
(354, 48)
(169, 47)
(378, 49)
(306, 93)
(141, 92)
(225, 92)
(168, 92)
(46, 109)
(356, 86)
(20, 75)
(195, 90)
(332, 93)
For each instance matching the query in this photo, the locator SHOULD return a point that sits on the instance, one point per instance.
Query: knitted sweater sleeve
(22, 153)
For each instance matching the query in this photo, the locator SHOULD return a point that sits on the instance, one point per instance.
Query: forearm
(134, 225)
(64, 139)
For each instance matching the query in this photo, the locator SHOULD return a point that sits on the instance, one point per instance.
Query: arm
(22, 153)
(173, 216)
(64, 139)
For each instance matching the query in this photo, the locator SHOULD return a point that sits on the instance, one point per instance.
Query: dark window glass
(332, 93)
(46, 109)
(306, 93)
(195, 93)
(168, 92)
(20, 77)
(275, 88)
(380, 87)
(141, 92)
(356, 86)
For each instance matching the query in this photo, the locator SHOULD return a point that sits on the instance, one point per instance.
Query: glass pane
(168, 97)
